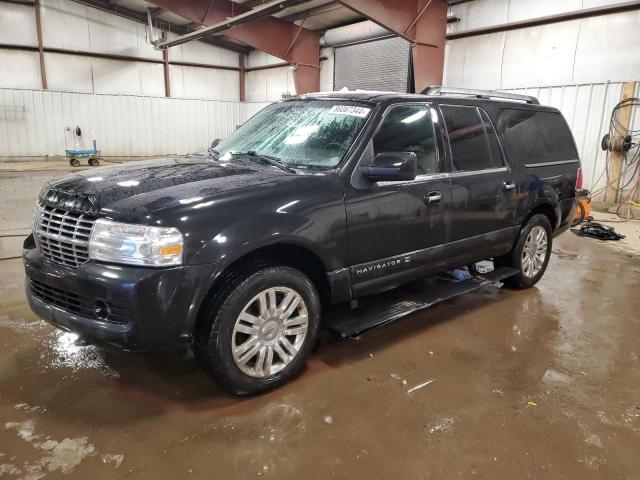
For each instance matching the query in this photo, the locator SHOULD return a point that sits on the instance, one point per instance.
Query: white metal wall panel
(33, 122)
(90, 29)
(478, 14)
(326, 69)
(195, 82)
(375, 65)
(488, 13)
(257, 58)
(20, 69)
(587, 109)
(538, 56)
(69, 72)
(202, 53)
(71, 15)
(128, 78)
(17, 24)
(608, 48)
(590, 50)
(269, 85)
(526, 9)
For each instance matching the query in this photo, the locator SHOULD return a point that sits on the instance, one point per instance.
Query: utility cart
(92, 156)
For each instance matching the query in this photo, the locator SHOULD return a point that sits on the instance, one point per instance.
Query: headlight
(135, 244)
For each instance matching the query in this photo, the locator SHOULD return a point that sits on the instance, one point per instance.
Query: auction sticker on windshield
(350, 110)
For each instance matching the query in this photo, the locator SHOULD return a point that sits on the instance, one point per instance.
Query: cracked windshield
(309, 134)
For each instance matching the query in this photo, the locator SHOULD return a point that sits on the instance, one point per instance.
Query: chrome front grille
(63, 236)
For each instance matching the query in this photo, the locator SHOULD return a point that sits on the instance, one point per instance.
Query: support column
(167, 82)
(43, 70)
(242, 77)
(616, 160)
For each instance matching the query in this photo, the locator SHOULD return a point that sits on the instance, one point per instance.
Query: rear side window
(473, 141)
(531, 137)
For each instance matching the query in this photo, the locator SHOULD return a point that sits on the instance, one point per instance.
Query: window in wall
(471, 147)
(531, 136)
(409, 128)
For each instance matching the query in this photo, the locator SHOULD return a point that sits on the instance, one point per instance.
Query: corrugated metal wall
(33, 122)
(587, 109)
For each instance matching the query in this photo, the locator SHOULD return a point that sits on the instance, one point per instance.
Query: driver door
(397, 229)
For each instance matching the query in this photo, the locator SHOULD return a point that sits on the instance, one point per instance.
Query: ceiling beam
(257, 13)
(277, 37)
(309, 12)
(141, 17)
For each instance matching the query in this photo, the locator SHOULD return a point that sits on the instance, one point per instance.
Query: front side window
(409, 128)
(311, 133)
(473, 141)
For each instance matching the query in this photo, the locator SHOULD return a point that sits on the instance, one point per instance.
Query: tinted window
(409, 128)
(494, 146)
(470, 145)
(535, 137)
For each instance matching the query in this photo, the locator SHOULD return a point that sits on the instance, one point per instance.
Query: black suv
(315, 200)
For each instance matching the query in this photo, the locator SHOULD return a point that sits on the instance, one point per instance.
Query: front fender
(242, 237)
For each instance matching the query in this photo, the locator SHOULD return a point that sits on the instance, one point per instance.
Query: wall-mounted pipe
(354, 33)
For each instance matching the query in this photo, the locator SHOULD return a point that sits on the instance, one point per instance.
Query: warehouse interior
(497, 383)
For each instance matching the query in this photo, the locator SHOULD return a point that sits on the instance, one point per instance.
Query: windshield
(312, 133)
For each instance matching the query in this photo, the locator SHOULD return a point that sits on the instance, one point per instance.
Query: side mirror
(216, 142)
(392, 167)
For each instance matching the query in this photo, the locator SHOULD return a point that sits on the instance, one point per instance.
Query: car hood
(136, 188)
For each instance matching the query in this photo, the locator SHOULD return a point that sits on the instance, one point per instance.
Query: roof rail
(440, 90)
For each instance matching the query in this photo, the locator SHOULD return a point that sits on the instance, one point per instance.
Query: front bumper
(131, 308)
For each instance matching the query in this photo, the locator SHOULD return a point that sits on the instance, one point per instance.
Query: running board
(378, 310)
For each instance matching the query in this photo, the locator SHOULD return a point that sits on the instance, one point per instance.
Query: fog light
(101, 310)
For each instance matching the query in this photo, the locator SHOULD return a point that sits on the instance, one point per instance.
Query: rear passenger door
(483, 187)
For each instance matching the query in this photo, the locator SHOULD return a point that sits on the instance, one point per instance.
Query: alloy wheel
(269, 332)
(534, 252)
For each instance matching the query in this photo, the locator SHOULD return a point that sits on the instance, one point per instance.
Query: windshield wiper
(275, 161)
(212, 152)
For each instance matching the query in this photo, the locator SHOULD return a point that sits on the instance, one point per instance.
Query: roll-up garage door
(375, 65)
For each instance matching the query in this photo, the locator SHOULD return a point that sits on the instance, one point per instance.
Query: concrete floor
(542, 383)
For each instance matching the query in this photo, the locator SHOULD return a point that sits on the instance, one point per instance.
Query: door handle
(433, 197)
(506, 186)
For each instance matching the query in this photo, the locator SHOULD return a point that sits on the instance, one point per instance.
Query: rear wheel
(531, 253)
(261, 331)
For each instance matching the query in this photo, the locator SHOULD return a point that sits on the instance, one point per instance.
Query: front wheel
(531, 253)
(261, 331)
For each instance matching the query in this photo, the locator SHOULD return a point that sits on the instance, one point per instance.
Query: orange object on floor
(583, 208)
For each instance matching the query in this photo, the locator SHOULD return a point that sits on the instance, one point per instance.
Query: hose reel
(616, 143)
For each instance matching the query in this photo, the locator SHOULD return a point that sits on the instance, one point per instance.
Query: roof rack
(440, 90)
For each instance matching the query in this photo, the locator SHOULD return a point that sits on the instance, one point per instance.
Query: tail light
(579, 180)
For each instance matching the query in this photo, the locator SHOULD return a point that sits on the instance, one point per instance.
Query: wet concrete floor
(543, 383)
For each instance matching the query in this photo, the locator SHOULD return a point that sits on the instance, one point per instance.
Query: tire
(247, 294)
(527, 277)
